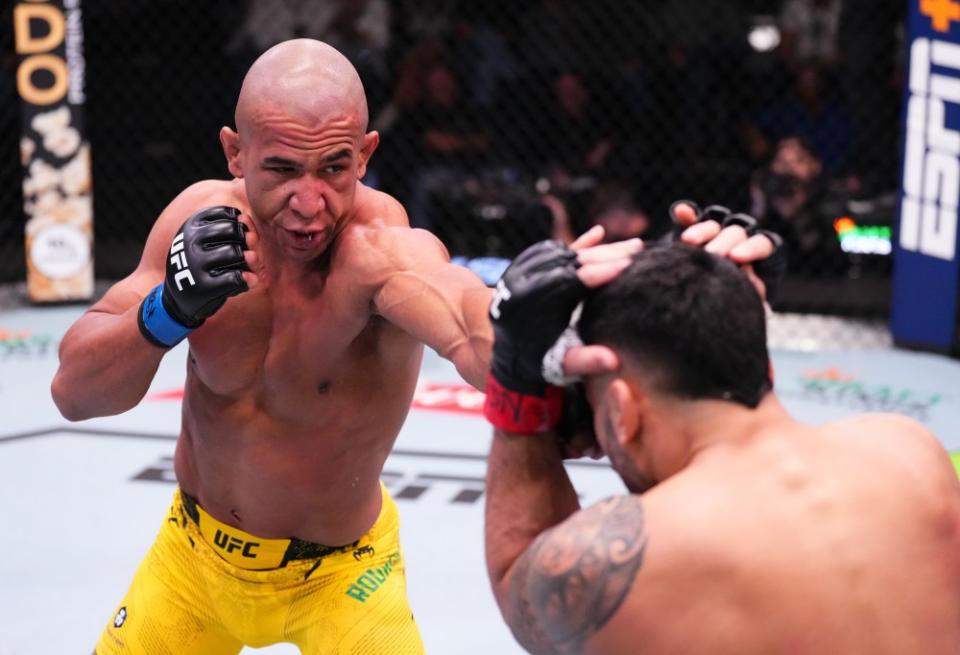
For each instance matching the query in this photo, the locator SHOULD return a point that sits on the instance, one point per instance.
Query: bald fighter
(305, 297)
(744, 532)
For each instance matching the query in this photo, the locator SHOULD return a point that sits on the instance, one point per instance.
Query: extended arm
(441, 304)
(558, 574)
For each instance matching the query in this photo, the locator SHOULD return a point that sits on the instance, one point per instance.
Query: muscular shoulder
(373, 206)
(208, 193)
(221, 189)
(575, 576)
(899, 432)
(197, 196)
(902, 441)
(149, 271)
(381, 242)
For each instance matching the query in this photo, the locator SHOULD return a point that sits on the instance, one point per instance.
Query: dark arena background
(506, 122)
(502, 122)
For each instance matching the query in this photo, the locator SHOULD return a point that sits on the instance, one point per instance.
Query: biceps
(443, 308)
(574, 577)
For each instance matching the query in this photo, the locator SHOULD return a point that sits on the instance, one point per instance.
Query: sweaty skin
(296, 389)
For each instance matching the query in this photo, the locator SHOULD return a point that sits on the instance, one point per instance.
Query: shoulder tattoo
(573, 578)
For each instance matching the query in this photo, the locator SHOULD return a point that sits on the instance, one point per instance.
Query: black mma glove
(530, 309)
(770, 270)
(203, 270)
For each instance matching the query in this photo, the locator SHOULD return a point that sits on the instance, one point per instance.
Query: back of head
(691, 324)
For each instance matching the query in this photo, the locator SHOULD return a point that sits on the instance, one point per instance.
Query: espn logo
(178, 258)
(931, 172)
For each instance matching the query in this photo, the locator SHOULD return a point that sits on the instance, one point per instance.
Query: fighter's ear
(626, 405)
(230, 141)
(368, 144)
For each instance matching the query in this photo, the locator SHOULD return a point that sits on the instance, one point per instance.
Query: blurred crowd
(504, 121)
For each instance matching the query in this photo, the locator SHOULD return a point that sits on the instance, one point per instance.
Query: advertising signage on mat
(57, 185)
(926, 267)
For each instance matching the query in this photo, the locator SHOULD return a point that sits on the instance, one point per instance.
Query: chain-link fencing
(503, 122)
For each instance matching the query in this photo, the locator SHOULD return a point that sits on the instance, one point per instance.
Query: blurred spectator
(423, 21)
(812, 111)
(703, 45)
(696, 54)
(809, 30)
(348, 25)
(572, 135)
(788, 197)
(612, 204)
(439, 139)
(616, 209)
(872, 71)
(548, 30)
(484, 57)
(408, 87)
(360, 29)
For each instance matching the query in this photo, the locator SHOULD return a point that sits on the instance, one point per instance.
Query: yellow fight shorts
(206, 588)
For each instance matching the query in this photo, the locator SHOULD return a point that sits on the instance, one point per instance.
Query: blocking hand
(735, 236)
(203, 269)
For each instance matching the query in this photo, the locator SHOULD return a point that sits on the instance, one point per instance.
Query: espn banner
(57, 186)
(927, 267)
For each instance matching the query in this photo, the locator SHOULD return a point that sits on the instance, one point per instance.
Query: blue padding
(158, 323)
(488, 268)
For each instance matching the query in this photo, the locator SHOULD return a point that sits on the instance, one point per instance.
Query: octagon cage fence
(505, 122)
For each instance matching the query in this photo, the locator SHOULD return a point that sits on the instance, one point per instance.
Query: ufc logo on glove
(178, 258)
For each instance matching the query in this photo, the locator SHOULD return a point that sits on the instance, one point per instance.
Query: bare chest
(281, 346)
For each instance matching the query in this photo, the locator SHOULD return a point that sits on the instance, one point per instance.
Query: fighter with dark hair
(745, 531)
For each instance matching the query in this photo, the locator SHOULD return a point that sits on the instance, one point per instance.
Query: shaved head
(305, 79)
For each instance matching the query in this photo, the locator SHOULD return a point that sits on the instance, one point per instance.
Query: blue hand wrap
(156, 324)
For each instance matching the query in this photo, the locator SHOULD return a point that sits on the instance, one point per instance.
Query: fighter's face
(301, 179)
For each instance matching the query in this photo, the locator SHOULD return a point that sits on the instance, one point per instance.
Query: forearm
(472, 354)
(528, 492)
(106, 366)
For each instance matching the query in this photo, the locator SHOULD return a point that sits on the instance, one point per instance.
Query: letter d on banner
(57, 187)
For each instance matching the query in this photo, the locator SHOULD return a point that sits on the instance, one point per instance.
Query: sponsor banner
(448, 397)
(26, 344)
(927, 269)
(837, 387)
(57, 186)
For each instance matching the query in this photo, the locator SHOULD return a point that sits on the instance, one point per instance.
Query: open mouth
(303, 238)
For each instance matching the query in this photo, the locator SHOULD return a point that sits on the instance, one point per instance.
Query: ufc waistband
(247, 551)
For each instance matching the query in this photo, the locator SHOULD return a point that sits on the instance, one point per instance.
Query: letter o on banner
(34, 94)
